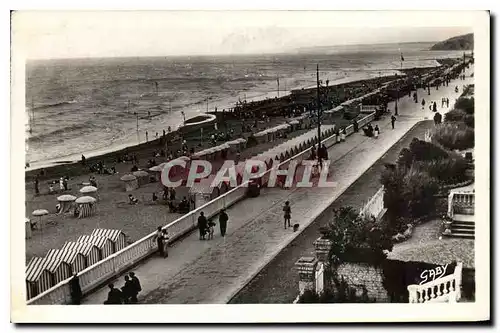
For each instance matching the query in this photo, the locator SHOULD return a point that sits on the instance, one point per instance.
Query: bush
(454, 136)
(355, 238)
(465, 104)
(426, 151)
(344, 294)
(409, 193)
(452, 170)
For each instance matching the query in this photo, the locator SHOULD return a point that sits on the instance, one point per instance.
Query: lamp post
(319, 108)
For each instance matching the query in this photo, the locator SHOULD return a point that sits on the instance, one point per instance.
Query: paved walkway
(213, 271)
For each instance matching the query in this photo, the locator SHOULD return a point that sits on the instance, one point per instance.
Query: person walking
(147, 136)
(75, 290)
(393, 120)
(223, 218)
(434, 107)
(423, 103)
(376, 131)
(159, 241)
(37, 189)
(447, 102)
(287, 214)
(202, 225)
(165, 238)
(136, 287)
(114, 295)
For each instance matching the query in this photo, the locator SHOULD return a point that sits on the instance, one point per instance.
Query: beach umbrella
(140, 173)
(85, 199)
(88, 189)
(67, 197)
(39, 213)
(142, 177)
(65, 202)
(130, 182)
(87, 206)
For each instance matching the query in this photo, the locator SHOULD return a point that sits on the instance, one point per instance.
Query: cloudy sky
(43, 35)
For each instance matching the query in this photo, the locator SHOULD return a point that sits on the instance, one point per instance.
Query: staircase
(461, 212)
(463, 226)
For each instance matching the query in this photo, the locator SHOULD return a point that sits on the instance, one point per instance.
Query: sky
(48, 35)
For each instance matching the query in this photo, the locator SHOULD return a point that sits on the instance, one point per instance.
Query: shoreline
(66, 164)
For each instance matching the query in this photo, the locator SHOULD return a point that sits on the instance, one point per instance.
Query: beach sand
(113, 210)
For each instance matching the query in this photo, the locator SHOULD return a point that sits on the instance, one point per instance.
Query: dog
(295, 227)
(211, 229)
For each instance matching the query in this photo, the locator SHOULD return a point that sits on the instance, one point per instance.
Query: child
(211, 226)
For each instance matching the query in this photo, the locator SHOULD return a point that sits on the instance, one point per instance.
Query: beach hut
(117, 237)
(27, 227)
(234, 146)
(130, 182)
(38, 278)
(203, 192)
(89, 251)
(73, 258)
(66, 201)
(156, 172)
(86, 206)
(58, 269)
(105, 245)
(142, 177)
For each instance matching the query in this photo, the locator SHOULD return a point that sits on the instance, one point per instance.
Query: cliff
(463, 42)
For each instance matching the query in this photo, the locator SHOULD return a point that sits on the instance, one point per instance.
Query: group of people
(127, 294)
(63, 185)
(371, 131)
(206, 228)
(445, 100)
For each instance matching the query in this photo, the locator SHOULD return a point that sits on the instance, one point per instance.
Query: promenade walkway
(214, 271)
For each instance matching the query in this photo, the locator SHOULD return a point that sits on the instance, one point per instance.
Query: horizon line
(225, 54)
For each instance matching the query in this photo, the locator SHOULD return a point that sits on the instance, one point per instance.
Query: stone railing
(375, 206)
(94, 276)
(445, 289)
(460, 199)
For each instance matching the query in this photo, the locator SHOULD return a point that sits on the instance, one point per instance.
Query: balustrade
(446, 288)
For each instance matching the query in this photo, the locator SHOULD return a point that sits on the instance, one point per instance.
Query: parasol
(85, 199)
(67, 197)
(156, 168)
(88, 189)
(40, 213)
(139, 173)
(128, 177)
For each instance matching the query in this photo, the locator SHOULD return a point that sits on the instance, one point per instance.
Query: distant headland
(462, 42)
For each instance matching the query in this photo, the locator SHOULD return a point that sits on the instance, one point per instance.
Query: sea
(94, 106)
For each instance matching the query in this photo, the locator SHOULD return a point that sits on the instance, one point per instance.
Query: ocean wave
(54, 104)
(62, 130)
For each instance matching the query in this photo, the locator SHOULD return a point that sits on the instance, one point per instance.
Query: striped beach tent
(58, 269)
(38, 278)
(118, 238)
(105, 245)
(73, 258)
(86, 206)
(90, 252)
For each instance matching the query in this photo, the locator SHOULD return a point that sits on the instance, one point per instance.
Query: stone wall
(358, 275)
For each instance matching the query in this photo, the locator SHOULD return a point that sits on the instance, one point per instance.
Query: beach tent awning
(112, 234)
(35, 268)
(66, 197)
(88, 189)
(128, 177)
(140, 173)
(156, 168)
(40, 212)
(204, 186)
(85, 199)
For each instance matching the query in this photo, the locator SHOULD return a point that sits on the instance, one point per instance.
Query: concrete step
(460, 235)
(462, 231)
(463, 226)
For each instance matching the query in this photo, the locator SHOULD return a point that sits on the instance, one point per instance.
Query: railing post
(412, 293)
(458, 281)
(306, 266)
